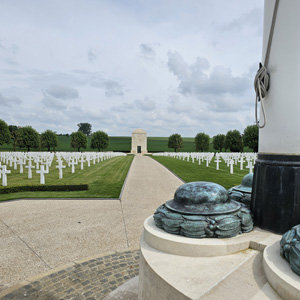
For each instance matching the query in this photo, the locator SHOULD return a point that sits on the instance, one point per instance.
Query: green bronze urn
(242, 193)
(203, 210)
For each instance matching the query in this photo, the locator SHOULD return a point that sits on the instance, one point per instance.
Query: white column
(281, 135)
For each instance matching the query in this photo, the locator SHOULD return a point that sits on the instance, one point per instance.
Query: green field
(123, 144)
(105, 180)
(189, 171)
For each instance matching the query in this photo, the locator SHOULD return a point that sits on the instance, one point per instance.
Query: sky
(167, 66)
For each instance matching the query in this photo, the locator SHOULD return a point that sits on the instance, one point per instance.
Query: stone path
(37, 236)
(90, 279)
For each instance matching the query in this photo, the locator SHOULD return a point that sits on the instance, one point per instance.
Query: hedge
(44, 188)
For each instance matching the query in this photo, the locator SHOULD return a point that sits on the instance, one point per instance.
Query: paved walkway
(53, 236)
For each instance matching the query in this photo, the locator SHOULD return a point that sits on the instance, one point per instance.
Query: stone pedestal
(245, 267)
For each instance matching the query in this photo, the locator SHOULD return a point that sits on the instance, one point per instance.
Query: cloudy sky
(167, 66)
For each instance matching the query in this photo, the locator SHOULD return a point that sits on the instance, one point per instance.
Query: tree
(202, 142)
(49, 140)
(233, 141)
(78, 140)
(218, 142)
(86, 128)
(14, 135)
(4, 133)
(100, 140)
(175, 141)
(29, 138)
(250, 137)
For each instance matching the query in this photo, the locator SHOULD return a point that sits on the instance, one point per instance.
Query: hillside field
(123, 144)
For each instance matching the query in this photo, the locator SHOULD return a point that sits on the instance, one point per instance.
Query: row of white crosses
(193, 156)
(43, 160)
(230, 158)
(13, 159)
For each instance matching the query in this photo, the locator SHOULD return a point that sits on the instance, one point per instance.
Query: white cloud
(112, 88)
(9, 101)
(148, 51)
(62, 92)
(145, 105)
(199, 79)
(53, 103)
(92, 54)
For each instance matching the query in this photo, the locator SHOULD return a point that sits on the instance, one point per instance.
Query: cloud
(52, 103)
(112, 88)
(200, 79)
(62, 92)
(12, 48)
(10, 61)
(250, 19)
(92, 55)
(145, 105)
(175, 105)
(147, 51)
(9, 101)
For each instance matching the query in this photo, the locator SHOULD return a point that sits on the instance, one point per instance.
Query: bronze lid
(202, 198)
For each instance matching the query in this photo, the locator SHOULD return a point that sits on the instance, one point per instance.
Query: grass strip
(189, 171)
(104, 179)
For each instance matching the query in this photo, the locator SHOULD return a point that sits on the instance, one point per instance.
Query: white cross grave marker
(21, 163)
(250, 166)
(60, 167)
(81, 160)
(3, 171)
(231, 162)
(37, 161)
(242, 162)
(73, 163)
(218, 160)
(47, 166)
(29, 169)
(42, 173)
(88, 159)
(15, 163)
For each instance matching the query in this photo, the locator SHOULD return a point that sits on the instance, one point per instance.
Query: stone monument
(139, 141)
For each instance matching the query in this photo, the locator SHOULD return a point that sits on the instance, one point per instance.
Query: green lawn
(160, 144)
(105, 180)
(189, 171)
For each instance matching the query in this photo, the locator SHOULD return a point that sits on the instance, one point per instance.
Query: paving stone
(89, 280)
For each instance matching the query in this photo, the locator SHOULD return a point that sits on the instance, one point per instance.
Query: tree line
(233, 141)
(28, 138)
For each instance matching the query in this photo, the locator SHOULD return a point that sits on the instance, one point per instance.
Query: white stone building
(139, 141)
